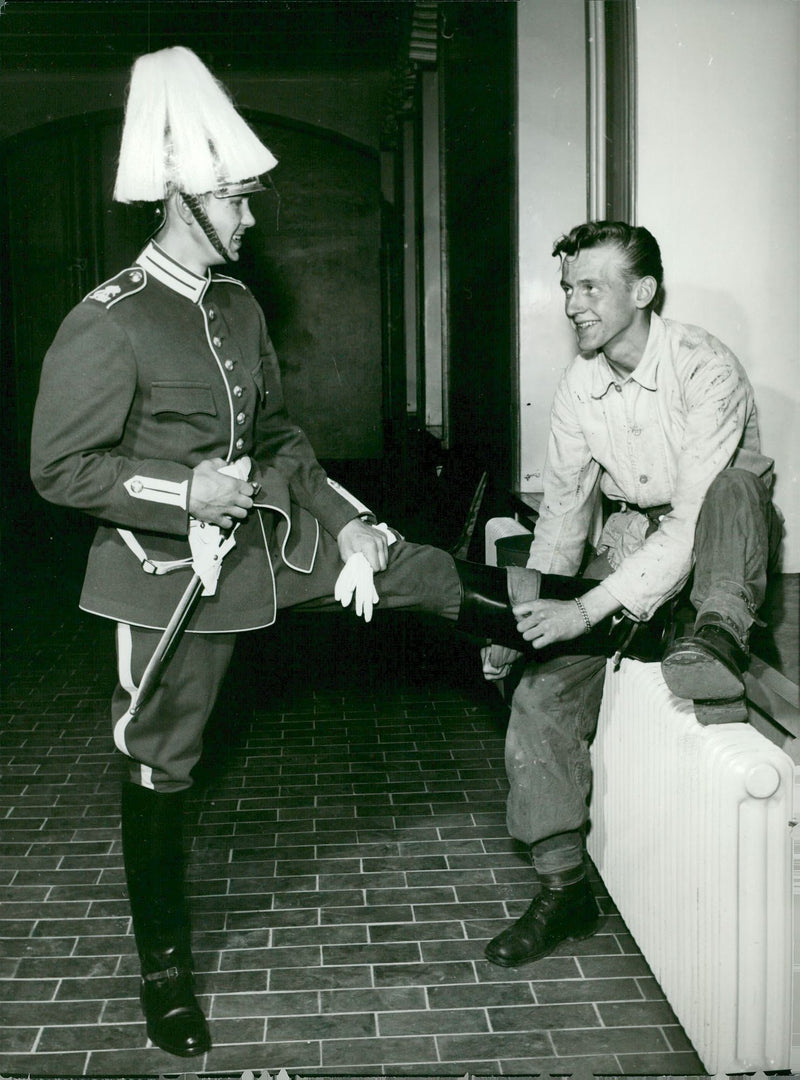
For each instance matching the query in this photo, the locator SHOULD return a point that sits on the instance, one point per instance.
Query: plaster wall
(719, 176)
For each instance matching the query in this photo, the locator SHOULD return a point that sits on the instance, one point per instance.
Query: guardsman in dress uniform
(160, 413)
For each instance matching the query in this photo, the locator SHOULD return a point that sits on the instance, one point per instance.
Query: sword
(167, 644)
(200, 585)
(209, 546)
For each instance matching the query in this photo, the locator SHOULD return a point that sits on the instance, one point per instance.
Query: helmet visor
(239, 187)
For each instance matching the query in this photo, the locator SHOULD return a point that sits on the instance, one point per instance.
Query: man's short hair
(641, 250)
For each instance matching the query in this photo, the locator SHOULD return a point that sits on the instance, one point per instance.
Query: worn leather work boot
(153, 855)
(708, 668)
(560, 912)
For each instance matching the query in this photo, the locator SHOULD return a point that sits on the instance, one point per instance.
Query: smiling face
(608, 312)
(230, 218)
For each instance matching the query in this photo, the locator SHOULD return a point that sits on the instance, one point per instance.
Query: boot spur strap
(162, 976)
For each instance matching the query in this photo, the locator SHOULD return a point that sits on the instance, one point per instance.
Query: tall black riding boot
(486, 613)
(486, 607)
(153, 854)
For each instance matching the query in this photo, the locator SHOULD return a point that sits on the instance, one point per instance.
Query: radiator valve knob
(762, 781)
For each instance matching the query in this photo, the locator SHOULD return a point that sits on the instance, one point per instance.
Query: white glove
(355, 581)
(496, 661)
(209, 547)
(208, 544)
(384, 528)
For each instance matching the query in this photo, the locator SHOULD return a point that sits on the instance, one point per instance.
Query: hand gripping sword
(209, 545)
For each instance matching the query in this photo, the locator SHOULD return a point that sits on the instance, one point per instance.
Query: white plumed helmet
(182, 133)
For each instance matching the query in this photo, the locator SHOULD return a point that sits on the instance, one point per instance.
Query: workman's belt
(653, 513)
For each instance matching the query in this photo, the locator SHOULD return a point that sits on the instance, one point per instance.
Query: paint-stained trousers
(556, 703)
(165, 741)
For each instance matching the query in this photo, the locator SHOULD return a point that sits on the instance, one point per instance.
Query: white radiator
(495, 529)
(692, 834)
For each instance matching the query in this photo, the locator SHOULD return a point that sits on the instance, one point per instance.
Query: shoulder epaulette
(126, 283)
(229, 280)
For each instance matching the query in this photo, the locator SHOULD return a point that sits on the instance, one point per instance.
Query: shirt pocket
(181, 399)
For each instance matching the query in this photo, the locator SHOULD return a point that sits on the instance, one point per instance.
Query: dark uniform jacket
(155, 371)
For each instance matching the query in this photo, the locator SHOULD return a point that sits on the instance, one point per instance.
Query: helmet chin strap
(202, 219)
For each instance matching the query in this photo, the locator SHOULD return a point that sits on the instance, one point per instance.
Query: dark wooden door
(478, 106)
(49, 233)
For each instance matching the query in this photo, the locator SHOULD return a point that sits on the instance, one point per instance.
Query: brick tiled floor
(348, 859)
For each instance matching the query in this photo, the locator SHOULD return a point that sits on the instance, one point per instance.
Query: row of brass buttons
(229, 365)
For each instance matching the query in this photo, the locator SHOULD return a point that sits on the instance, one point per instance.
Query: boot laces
(548, 903)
